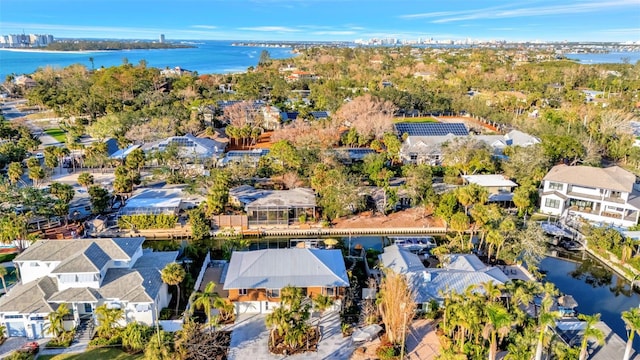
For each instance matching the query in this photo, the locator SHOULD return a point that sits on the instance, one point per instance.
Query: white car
(39, 155)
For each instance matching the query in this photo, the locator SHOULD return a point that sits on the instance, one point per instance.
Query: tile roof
(277, 268)
(75, 295)
(61, 250)
(613, 178)
(30, 298)
(91, 259)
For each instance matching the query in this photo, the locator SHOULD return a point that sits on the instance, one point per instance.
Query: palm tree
(545, 319)
(56, 320)
(205, 299)
(173, 274)
(14, 172)
(492, 290)
(632, 320)
(36, 174)
(278, 321)
(322, 303)
(590, 333)
(3, 273)
(85, 179)
(159, 347)
(225, 308)
(498, 324)
(135, 337)
(108, 320)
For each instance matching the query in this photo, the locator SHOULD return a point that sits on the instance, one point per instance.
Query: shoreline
(32, 50)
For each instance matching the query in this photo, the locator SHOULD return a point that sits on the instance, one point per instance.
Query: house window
(67, 278)
(413, 156)
(273, 293)
(616, 194)
(143, 307)
(37, 318)
(86, 277)
(555, 186)
(552, 203)
(329, 291)
(242, 291)
(13, 316)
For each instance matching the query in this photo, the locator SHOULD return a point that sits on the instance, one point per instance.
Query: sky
(326, 20)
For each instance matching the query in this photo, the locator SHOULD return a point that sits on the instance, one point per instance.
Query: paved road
(11, 112)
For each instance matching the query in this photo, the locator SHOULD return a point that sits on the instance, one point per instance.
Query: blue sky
(549, 20)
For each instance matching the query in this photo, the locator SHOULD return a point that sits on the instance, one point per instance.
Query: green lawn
(421, 119)
(57, 134)
(95, 354)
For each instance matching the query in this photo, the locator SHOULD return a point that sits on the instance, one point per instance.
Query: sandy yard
(422, 343)
(413, 217)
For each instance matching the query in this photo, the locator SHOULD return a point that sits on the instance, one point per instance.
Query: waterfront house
(254, 279)
(190, 148)
(84, 274)
(599, 195)
(250, 157)
(499, 187)
(456, 274)
(274, 207)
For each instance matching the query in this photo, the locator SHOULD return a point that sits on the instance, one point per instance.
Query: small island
(110, 45)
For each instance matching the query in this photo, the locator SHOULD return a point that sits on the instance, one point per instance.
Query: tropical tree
(205, 300)
(498, 324)
(631, 319)
(322, 303)
(160, 347)
(546, 318)
(590, 333)
(108, 321)
(56, 320)
(36, 173)
(14, 172)
(85, 179)
(173, 274)
(135, 337)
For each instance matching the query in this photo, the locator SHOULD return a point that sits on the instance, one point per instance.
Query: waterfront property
(189, 147)
(274, 207)
(84, 274)
(599, 195)
(254, 278)
(458, 272)
(153, 201)
(251, 157)
(499, 187)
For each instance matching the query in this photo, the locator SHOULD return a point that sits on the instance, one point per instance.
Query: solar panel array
(319, 114)
(432, 129)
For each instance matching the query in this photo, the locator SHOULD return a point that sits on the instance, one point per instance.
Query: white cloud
(576, 8)
(334, 32)
(209, 27)
(270, 29)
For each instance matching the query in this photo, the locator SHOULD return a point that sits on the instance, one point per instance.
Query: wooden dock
(344, 232)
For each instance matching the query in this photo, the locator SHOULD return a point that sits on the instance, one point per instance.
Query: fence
(205, 265)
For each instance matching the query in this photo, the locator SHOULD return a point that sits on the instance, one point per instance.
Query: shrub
(63, 341)
(388, 352)
(17, 355)
(102, 342)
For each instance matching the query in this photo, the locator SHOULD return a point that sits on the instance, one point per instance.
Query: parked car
(30, 348)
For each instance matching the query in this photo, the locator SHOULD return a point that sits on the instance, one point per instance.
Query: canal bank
(595, 287)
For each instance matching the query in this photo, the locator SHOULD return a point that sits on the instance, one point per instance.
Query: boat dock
(613, 347)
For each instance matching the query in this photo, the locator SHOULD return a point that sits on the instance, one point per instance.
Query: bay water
(206, 57)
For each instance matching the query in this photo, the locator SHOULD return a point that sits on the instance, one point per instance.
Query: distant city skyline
(327, 20)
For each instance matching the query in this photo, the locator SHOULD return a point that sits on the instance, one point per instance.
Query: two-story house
(84, 274)
(254, 278)
(599, 195)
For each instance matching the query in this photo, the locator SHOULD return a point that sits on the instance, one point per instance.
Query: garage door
(16, 328)
(248, 307)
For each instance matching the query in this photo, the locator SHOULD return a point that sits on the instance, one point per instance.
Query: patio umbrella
(567, 301)
(330, 243)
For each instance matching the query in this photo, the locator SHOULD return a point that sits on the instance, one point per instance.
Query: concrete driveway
(250, 337)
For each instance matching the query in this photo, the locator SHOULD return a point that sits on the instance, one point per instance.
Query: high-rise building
(161, 38)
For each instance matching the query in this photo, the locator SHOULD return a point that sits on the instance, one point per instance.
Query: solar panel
(432, 129)
(319, 114)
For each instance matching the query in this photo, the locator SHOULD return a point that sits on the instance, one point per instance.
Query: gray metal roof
(431, 284)
(278, 268)
(401, 261)
(256, 198)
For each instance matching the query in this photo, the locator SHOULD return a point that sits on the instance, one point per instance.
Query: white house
(499, 187)
(599, 195)
(189, 147)
(84, 274)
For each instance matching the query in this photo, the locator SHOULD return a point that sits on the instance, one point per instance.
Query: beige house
(254, 279)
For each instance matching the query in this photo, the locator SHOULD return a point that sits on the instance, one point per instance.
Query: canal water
(595, 288)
